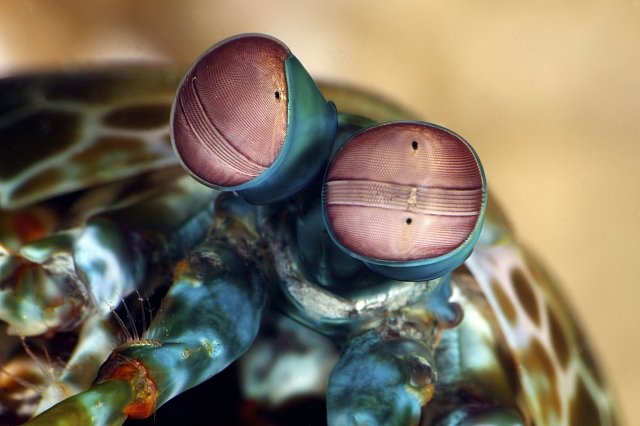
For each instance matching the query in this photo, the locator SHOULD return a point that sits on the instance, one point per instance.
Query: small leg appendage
(209, 317)
(380, 380)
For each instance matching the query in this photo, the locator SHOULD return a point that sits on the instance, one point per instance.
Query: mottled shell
(69, 131)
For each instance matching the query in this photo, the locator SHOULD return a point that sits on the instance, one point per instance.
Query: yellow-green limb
(103, 404)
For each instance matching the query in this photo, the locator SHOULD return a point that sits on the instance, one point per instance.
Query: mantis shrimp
(372, 231)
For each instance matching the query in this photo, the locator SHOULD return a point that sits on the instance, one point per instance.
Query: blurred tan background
(548, 94)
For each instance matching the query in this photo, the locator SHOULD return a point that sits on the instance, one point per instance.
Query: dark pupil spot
(408, 221)
(414, 145)
(277, 94)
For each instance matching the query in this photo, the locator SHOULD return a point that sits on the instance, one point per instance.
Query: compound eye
(231, 118)
(406, 198)
(231, 111)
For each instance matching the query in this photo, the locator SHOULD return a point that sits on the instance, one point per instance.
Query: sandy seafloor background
(548, 94)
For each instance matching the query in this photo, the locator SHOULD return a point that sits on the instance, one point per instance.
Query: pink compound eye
(230, 114)
(406, 194)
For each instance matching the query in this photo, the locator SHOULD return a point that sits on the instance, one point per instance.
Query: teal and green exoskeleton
(372, 231)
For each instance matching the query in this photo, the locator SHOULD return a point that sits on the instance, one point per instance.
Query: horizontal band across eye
(407, 198)
(248, 118)
(228, 124)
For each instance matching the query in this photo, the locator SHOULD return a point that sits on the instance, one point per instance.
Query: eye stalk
(247, 117)
(406, 198)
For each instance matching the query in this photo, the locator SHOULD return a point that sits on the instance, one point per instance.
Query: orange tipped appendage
(143, 389)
